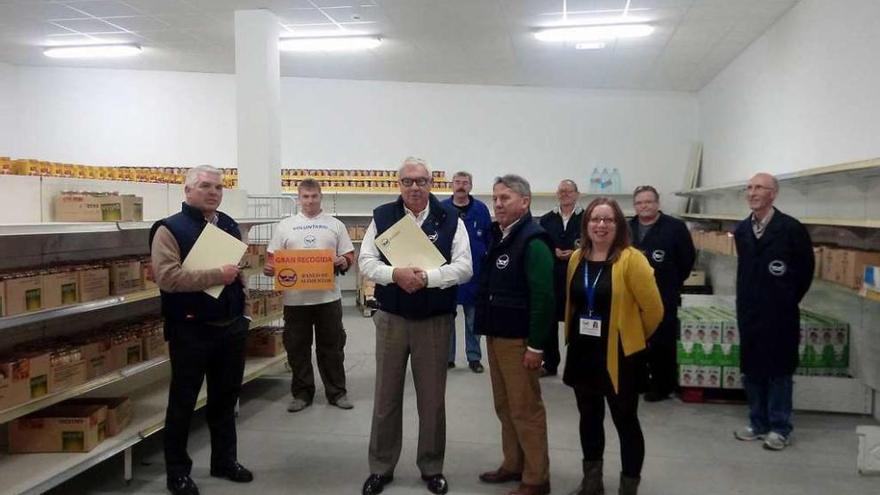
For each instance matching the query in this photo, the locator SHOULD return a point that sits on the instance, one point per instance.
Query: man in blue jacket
(478, 222)
(774, 272)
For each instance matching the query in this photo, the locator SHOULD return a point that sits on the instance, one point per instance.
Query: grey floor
(323, 450)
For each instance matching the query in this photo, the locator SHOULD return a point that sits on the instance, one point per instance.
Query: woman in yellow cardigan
(612, 307)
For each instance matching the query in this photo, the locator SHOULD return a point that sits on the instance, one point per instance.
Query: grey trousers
(427, 341)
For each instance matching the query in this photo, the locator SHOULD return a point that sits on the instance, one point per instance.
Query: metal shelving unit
(36, 473)
(75, 309)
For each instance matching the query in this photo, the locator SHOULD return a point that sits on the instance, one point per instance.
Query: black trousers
(199, 352)
(624, 412)
(662, 367)
(325, 321)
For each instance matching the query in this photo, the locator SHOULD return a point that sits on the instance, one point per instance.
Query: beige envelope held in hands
(406, 245)
(213, 249)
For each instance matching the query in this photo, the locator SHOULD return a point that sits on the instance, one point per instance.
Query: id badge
(591, 327)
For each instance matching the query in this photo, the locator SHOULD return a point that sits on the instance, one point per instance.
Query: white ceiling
(444, 41)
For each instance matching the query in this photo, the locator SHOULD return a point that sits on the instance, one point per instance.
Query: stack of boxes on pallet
(708, 348)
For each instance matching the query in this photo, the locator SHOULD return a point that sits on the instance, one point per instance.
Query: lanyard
(591, 289)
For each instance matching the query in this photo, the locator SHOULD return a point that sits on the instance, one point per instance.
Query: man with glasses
(774, 272)
(563, 225)
(667, 244)
(416, 312)
(475, 216)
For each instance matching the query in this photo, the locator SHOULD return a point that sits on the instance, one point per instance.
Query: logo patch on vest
(502, 261)
(310, 240)
(287, 277)
(385, 242)
(433, 237)
(658, 255)
(777, 268)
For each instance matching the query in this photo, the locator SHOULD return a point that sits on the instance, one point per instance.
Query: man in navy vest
(416, 312)
(667, 244)
(206, 336)
(515, 309)
(773, 273)
(563, 225)
(475, 216)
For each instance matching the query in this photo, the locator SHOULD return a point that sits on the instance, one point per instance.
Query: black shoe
(376, 483)
(236, 472)
(450, 365)
(182, 485)
(475, 366)
(436, 483)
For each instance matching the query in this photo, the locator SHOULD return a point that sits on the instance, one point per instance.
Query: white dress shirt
(458, 271)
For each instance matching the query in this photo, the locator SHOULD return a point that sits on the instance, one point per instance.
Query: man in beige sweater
(206, 336)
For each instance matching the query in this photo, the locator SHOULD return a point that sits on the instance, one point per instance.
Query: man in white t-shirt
(311, 228)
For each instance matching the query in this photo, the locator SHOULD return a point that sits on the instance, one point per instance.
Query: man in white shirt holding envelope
(416, 311)
(205, 334)
(304, 310)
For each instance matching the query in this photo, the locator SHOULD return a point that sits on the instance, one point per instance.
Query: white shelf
(857, 169)
(65, 228)
(833, 222)
(36, 473)
(75, 309)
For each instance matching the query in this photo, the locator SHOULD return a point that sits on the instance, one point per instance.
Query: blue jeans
(471, 341)
(769, 404)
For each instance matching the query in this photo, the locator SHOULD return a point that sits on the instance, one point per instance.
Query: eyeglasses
(420, 181)
(605, 220)
(757, 187)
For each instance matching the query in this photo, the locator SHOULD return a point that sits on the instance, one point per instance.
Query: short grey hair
(516, 183)
(192, 175)
(310, 184)
(412, 161)
(462, 173)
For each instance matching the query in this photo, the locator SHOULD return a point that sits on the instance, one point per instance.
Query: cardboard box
(2, 298)
(731, 377)
(153, 342)
(267, 342)
(77, 208)
(125, 349)
(60, 289)
(149, 280)
(24, 294)
(93, 284)
(98, 357)
(67, 369)
(119, 411)
(274, 303)
(132, 208)
(26, 378)
(126, 277)
(60, 428)
(851, 266)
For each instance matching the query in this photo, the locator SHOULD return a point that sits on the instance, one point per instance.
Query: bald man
(774, 272)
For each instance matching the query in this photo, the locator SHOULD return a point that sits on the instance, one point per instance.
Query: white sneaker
(775, 441)
(747, 434)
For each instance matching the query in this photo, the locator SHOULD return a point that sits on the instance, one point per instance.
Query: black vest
(502, 306)
(440, 227)
(198, 307)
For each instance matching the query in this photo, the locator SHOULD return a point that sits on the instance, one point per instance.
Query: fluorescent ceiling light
(592, 45)
(92, 51)
(594, 33)
(329, 43)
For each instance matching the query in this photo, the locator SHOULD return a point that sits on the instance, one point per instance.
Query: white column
(258, 101)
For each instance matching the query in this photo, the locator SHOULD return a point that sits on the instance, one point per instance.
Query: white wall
(544, 135)
(111, 117)
(803, 95)
(8, 112)
(115, 117)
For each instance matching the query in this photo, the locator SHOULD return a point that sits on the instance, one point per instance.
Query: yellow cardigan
(636, 307)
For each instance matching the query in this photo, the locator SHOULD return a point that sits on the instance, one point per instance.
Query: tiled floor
(323, 450)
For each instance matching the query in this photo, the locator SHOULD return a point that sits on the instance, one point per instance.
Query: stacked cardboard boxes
(355, 180)
(265, 342)
(75, 425)
(709, 346)
(846, 266)
(97, 207)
